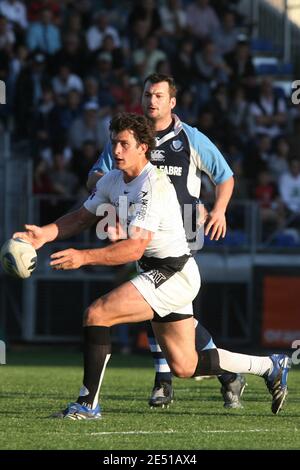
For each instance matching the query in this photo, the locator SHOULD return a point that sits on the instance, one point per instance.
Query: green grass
(35, 384)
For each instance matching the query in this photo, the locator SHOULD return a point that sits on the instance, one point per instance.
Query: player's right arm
(103, 165)
(65, 227)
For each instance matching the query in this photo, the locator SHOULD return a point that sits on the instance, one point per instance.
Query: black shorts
(170, 318)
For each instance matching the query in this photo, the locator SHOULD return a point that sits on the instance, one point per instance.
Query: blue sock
(163, 372)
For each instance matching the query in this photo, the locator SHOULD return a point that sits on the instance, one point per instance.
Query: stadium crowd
(70, 66)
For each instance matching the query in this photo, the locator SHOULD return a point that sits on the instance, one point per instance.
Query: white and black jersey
(168, 277)
(151, 204)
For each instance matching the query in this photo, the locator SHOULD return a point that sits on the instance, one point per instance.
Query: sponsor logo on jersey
(171, 170)
(143, 206)
(157, 155)
(176, 145)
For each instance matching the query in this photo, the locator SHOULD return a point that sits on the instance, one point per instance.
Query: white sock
(243, 363)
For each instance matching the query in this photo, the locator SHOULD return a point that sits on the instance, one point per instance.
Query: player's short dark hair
(141, 127)
(162, 77)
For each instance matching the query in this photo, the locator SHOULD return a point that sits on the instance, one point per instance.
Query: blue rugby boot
(276, 381)
(75, 411)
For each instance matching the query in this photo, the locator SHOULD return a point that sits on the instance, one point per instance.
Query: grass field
(35, 384)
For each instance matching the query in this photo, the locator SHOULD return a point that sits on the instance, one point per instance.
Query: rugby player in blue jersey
(182, 152)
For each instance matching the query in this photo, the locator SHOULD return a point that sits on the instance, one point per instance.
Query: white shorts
(175, 295)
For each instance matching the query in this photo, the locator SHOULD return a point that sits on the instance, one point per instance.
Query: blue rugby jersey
(183, 152)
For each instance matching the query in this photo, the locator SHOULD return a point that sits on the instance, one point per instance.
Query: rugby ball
(18, 258)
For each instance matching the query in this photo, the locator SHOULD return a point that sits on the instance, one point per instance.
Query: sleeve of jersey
(99, 195)
(208, 158)
(105, 162)
(147, 214)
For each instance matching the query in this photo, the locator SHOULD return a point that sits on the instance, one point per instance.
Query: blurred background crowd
(70, 65)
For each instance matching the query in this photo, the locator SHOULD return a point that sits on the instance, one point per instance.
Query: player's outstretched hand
(216, 225)
(67, 259)
(33, 235)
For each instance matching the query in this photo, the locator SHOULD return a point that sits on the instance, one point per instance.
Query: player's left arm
(122, 252)
(216, 219)
(212, 162)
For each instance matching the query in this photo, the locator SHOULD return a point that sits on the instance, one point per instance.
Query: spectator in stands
(116, 53)
(184, 66)
(89, 127)
(44, 35)
(269, 112)
(241, 190)
(16, 14)
(226, 37)
(7, 36)
(41, 179)
(65, 81)
(271, 209)
(211, 70)
(289, 189)
(173, 19)
(258, 157)
(64, 114)
(96, 33)
(64, 182)
(35, 8)
(73, 53)
(28, 93)
(163, 66)
(43, 119)
(202, 20)
(279, 161)
(220, 106)
(238, 114)
(75, 27)
(83, 160)
(186, 107)
(146, 15)
(146, 59)
(242, 70)
(133, 101)
(206, 123)
(18, 62)
(102, 71)
(91, 90)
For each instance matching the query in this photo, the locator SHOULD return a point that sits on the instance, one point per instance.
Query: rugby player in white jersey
(183, 153)
(168, 278)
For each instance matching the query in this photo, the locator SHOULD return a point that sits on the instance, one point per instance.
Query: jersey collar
(177, 127)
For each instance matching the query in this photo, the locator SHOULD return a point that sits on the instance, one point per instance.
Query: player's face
(129, 155)
(156, 101)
